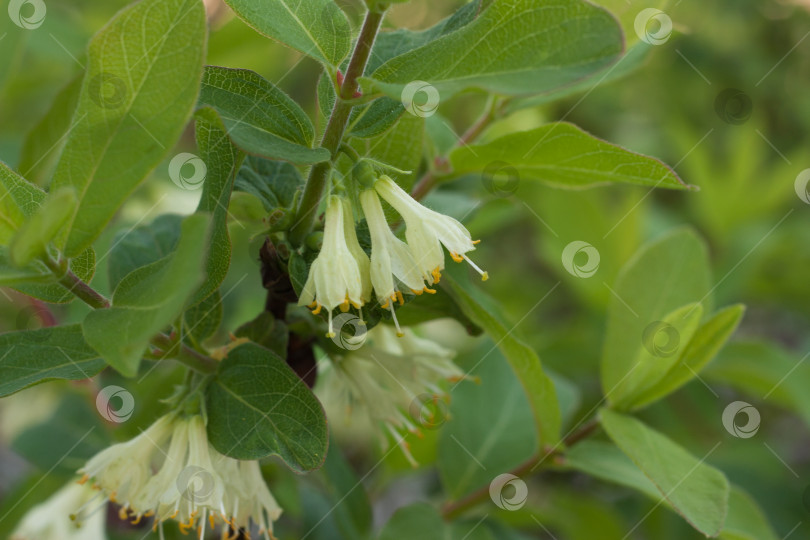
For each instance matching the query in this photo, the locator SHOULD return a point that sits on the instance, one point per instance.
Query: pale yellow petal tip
(485, 276)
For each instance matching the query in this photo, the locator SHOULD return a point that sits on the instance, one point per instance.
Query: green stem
(187, 356)
(75, 285)
(333, 135)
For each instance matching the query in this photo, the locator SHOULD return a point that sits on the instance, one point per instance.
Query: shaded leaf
(33, 237)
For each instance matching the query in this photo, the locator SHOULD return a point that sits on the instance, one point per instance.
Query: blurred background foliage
(743, 159)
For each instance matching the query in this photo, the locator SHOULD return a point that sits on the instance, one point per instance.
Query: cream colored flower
(335, 277)
(427, 230)
(57, 519)
(194, 484)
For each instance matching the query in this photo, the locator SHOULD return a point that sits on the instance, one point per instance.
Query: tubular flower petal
(363, 263)
(194, 484)
(73, 513)
(427, 230)
(335, 277)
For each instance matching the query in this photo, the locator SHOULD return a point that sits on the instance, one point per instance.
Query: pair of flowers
(343, 275)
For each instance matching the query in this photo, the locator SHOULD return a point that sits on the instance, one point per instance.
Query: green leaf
(148, 300)
(661, 277)
(84, 266)
(222, 161)
(141, 246)
(745, 520)
(538, 387)
(317, 28)
(697, 491)
(701, 349)
(499, 438)
(605, 461)
(351, 505)
(19, 199)
(32, 238)
(43, 143)
(274, 183)
(34, 356)
(418, 520)
(565, 156)
(202, 320)
(400, 147)
(661, 345)
(260, 118)
(11, 275)
(257, 407)
(560, 42)
(139, 89)
(267, 331)
(367, 120)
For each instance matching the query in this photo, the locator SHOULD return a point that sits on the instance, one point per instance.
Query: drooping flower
(390, 258)
(385, 379)
(335, 277)
(194, 484)
(58, 518)
(426, 231)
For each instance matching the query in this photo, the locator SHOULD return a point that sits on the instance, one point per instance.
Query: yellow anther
(437, 275)
(317, 310)
(456, 257)
(400, 298)
(430, 291)
(476, 242)
(344, 307)
(417, 293)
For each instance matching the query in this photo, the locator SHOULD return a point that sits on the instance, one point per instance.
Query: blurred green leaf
(663, 276)
(149, 299)
(274, 183)
(139, 89)
(260, 118)
(400, 147)
(695, 490)
(267, 331)
(351, 504)
(257, 407)
(562, 155)
(560, 43)
(317, 28)
(19, 199)
(33, 356)
(202, 320)
(32, 238)
(745, 520)
(418, 520)
(141, 246)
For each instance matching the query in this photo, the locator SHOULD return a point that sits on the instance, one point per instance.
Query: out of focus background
(723, 101)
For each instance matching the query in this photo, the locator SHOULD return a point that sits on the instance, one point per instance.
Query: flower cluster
(385, 378)
(57, 517)
(344, 276)
(194, 484)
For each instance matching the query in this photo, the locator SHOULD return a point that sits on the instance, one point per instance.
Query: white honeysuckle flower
(381, 380)
(427, 230)
(390, 258)
(363, 262)
(335, 277)
(57, 519)
(194, 484)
